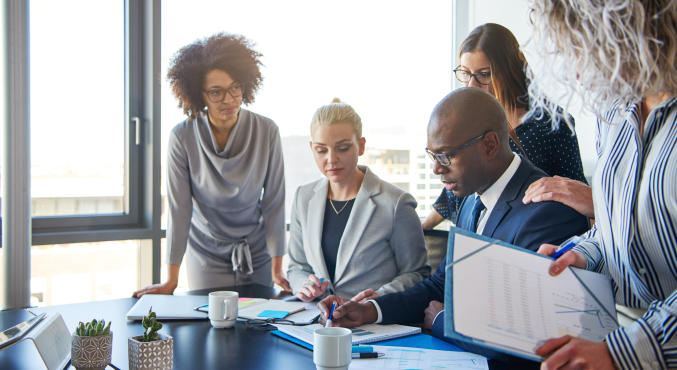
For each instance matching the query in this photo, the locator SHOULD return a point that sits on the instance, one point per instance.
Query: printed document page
(507, 298)
(419, 358)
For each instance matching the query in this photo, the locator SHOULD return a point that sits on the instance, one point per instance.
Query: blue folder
(412, 341)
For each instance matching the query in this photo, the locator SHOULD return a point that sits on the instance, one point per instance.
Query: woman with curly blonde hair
(225, 175)
(619, 56)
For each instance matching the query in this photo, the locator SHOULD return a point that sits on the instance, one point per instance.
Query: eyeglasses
(482, 78)
(217, 95)
(269, 324)
(445, 158)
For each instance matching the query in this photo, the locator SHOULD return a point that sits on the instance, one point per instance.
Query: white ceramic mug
(332, 348)
(223, 309)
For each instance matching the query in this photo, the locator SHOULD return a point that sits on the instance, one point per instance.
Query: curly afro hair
(233, 54)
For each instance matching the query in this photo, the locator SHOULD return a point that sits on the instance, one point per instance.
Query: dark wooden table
(196, 344)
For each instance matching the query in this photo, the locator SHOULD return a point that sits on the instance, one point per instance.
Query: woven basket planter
(91, 353)
(155, 355)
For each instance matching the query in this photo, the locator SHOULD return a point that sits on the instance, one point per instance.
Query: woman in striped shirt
(619, 56)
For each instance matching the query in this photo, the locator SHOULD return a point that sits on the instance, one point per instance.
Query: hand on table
(574, 194)
(348, 313)
(278, 276)
(364, 296)
(569, 258)
(434, 308)
(164, 288)
(312, 288)
(569, 352)
(282, 282)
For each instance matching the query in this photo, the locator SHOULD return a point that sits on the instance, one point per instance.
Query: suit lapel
(363, 209)
(511, 191)
(315, 219)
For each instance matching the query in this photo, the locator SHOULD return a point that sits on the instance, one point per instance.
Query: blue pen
(331, 315)
(566, 246)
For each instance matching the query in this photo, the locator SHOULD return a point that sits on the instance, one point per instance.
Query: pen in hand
(566, 246)
(331, 315)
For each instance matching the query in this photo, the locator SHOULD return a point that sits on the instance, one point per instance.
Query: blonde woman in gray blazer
(351, 233)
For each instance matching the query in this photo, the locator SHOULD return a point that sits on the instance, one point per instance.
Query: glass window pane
(83, 272)
(390, 60)
(77, 107)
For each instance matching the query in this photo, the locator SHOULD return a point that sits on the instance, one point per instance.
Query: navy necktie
(476, 212)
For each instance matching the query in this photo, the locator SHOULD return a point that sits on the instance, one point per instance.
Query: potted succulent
(92, 345)
(151, 350)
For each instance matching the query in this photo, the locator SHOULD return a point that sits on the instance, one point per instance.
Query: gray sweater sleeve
(272, 202)
(180, 200)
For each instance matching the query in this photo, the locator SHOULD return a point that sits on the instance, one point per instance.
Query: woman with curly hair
(491, 59)
(620, 57)
(225, 175)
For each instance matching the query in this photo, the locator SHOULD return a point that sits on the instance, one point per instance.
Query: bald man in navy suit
(468, 137)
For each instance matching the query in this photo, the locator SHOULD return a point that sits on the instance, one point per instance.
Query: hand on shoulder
(572, 193)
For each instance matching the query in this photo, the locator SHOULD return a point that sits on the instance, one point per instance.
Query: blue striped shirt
(634, 239)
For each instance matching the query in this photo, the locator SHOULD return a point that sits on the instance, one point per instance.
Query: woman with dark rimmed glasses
(491, 59)
(225, 175)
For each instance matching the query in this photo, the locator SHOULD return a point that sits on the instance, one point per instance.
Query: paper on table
(419, 358)
(249, 312)
(512, 302)
(307, 315)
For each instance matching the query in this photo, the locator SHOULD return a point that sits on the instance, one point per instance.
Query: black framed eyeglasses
(482, 78)
(269, 324)
(445, 158)
(217, 95)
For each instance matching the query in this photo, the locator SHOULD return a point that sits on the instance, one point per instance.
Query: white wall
(513, 15)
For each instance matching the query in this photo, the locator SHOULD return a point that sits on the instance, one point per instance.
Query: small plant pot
(91, 353)
(156, 355)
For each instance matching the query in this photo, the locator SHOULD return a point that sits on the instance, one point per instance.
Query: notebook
(363, 334)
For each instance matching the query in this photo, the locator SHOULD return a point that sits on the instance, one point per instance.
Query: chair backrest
(436, 243)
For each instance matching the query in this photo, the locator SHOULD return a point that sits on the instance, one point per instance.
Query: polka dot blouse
(555, 152)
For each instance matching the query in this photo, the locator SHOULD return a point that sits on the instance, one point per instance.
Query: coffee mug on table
(332, 348)
(223, 309)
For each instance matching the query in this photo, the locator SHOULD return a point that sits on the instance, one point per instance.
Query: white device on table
(332, 348)
(223, 309)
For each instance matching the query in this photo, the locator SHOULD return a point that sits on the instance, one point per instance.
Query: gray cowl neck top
(227, 194)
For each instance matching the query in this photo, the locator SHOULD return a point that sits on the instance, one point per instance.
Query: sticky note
(274, 314)
(245, 303)
(245, 299)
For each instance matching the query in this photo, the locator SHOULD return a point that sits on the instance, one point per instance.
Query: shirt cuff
(378, 311)
(635, 347)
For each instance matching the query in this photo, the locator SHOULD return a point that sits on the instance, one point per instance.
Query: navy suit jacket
(523, 225)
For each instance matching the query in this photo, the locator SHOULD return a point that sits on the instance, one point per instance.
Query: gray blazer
(381, 248)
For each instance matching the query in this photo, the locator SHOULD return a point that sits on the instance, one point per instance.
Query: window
(77, 107)
(421, 176)
(299, 46)
(436, 186)
(84, 272)
(420, 186)
(420, 166)
(434, 177)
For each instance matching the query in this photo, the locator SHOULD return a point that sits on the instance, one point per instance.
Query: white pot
(156, 355)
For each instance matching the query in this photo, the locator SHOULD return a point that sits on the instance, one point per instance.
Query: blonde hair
(603, 51)
(337, 112)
